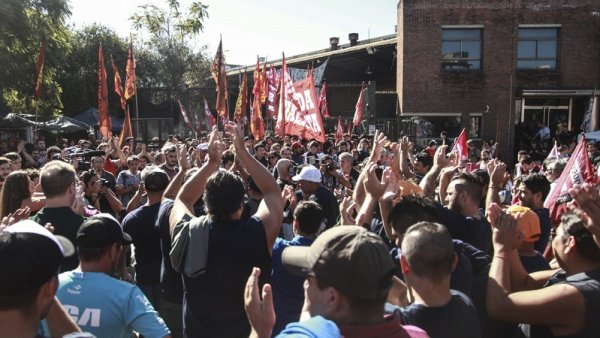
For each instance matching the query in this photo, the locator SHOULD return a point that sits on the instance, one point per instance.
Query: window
(538, 48)
(461, 49)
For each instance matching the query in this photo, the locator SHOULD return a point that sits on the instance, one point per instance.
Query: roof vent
(353, 37)
(333, 42)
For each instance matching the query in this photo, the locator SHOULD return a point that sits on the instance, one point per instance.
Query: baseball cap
(155, 179)
(29, 256)
(529, 222)
(349, 258)
(308, 173)
(101, 230)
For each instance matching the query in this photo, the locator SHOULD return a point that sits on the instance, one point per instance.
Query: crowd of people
(225, 236)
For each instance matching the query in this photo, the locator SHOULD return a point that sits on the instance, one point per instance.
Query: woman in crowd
(18, 192)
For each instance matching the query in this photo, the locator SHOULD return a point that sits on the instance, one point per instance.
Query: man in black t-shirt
(309, 180)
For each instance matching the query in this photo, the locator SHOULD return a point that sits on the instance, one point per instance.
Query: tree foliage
(167, 58)
(23, 25)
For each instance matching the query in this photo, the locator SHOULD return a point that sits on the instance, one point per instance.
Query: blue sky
(263, 27)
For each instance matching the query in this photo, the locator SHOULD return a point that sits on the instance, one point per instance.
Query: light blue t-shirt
(107, 307)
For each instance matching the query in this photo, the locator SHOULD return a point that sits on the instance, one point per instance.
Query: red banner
(118, 85)
(39, 72)
(103, 117)
(302, 116)
(130, 76)
(218, 73)
(240, 105)
(339, 133)
(186, 119)
(126, 131)
(578, 170)
(460, 146)
(323, 101)
(210, 119)
(272, 84)
(358, 109)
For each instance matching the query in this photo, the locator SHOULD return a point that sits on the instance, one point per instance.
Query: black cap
(155, 180)
(100, 231)
(29, 256)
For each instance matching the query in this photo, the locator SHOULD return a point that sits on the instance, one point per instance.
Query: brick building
(495, 67)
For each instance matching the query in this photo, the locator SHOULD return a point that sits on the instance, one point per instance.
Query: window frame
(446, 63)
(537, 40)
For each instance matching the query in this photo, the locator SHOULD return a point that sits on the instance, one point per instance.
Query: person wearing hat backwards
(529, 223)
(348, 273)
(30, 257)
(98, 302)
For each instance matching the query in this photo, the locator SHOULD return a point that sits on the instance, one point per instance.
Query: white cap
(308, 173)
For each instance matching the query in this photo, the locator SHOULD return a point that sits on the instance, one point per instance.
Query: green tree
(23, 25)
(79, 79)
(166, 58)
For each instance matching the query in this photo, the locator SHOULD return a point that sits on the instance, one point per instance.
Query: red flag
(460, 146)
(280, 125)
(210, 119)
(578, 170)
(197, 123)
(339, 133)
(272, 84)
(263, 84)
(350, 128)
(323, 101)
(103, 117)
(358, 110)
(302, 116)
(39, 72)
(126, 131)
(130, 89)
(240, 105)
(218, 73)
(186, 119)
(118, 85)
(257, 125)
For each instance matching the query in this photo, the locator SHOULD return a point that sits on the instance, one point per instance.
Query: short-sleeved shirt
(170, 280)
(458, 318)
(107, 307)
(66, 223)
(288, 288)
(477, 232)
(328, 203)
(214, 301)
(139, 224)
(125, 180)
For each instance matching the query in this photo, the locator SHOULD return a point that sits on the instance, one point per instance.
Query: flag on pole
(577, 171)
(126, 131)
(358, 109)
(130, 88)
(118, 85)
(554, 153)
(280, 125)
(263, 84)
(197, 123)
(350, 127)
(339, 133)
(240, 105)
(588, 118)
(103, 116)
(322, 102)
(218, 73)
(210, 119)
(186, 119)
(39, 71)
(460, 146)
(272, 84)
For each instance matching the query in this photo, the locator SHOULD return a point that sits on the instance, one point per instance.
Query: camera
(330, 167)
(103, 182)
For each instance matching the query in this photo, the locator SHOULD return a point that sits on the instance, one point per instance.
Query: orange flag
(130, 89)
(103, 117)
(126, 131)
(240, 105)
(218, 73)
(263, 84)
(118, 85)
(39, 72)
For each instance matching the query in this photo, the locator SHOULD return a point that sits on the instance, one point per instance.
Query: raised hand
(439, 158)
(261, 312)
(182, 159)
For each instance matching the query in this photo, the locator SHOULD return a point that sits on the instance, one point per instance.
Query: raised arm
(403, 158)
(496, 170)
(184, 165)
(270, 210)
(588, 209)
(191, 191)
(440, 161)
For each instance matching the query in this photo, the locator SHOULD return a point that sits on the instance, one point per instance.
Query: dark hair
(87, 176)
(411, 210)
(425, 159)
(227, 156)
(223, 195)
(360, 307)
(259, 145)
(429, 250)
(526, 159)
(586, 246)
(309, 215)
(168, 149)
(24, 302)
(471, 185)
(252, 185)
(537, 183)
(12, 156)
(15, 190)
(56, 177)
(52, 150)
(92, 254)
(482, 177)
